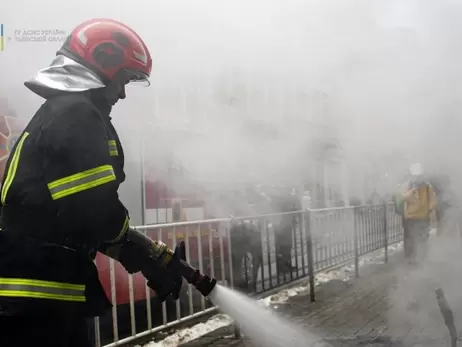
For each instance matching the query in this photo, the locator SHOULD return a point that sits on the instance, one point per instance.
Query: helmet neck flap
(63, 75)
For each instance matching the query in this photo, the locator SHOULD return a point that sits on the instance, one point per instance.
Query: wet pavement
(391, 304)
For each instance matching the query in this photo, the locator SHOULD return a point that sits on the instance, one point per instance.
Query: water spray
(258, 323)
(262, 325)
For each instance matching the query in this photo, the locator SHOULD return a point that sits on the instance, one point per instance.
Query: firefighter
(419, 201)
(59, 201)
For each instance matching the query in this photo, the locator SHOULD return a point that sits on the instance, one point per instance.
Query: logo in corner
(2, 38)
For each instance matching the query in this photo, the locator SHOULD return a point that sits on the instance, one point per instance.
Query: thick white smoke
(263, 88)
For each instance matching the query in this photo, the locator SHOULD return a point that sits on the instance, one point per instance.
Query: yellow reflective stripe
(113, 148)
(17, 287)
(13, 167)
(42, 283)
(123, 230)
(81, 181)
(35, 295)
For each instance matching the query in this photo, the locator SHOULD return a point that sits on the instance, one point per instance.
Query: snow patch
(345, 273)
(194, 332)
(284, 295)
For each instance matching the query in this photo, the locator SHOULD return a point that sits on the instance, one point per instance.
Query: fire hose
(163, 268)
(203, 283)
(175, 263)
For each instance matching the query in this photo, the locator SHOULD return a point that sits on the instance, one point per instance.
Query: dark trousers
(40, 331)
(416, 234)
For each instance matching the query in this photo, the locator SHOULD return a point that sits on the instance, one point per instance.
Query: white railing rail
(253, 253)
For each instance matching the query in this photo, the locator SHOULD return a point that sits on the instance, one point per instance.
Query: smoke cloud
(340, 93)
(267, 91)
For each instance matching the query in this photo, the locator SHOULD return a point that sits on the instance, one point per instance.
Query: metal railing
(253, 254)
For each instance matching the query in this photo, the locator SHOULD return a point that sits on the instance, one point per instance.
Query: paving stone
(363, 311)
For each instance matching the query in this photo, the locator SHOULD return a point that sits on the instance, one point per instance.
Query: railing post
(94, 331)
(385, 231)
(237, 329)
(309, 244)
(355, 239)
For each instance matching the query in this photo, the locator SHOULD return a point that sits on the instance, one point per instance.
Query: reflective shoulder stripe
(113, 148)
(13, 167)
(37, 289)
(81, 181)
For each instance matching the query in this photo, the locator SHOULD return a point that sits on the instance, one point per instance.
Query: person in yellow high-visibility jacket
(419, 202)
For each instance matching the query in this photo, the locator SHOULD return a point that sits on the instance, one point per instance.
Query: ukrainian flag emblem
(2, 38)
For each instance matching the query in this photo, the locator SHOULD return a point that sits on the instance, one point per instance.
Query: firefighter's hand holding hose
(159, 274)
(163, 268)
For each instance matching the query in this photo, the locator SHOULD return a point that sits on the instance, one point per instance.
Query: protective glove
(166, 280)
(163, 268)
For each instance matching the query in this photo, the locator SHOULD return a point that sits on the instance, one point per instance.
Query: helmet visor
(137, 78)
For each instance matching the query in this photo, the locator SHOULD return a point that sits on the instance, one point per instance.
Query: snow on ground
(221, 320)
(194, 332)
(344, 273)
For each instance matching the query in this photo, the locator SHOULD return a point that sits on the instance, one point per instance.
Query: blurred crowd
(425, 202)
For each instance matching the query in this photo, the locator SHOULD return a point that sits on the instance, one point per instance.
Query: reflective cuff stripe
(13, 167)
(81, 181)
(123, 230)
(15, 287)
(113, 148)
